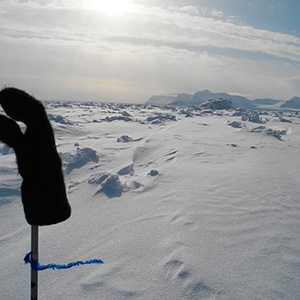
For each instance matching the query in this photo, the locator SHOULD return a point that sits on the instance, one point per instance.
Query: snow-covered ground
(178, 203)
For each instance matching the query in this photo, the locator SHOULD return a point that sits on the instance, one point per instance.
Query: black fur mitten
(43, 188)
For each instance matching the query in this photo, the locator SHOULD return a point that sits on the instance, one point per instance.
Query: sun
(110, 6)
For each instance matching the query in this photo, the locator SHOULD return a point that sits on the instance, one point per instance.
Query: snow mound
(97, 178)
(118, 118)
(111, 186)
(125, 113)
(276, 133)
(125, 139)
(252, 116)
(285, 120)
(269, 131)
(161, 118)
(217, 104)
(8, 192)
(187, 112)
(235, 124)
(59, 119)
(153, 173)
(79, 159)
(126, 170)
(4, 150)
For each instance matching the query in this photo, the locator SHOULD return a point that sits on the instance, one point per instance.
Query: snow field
(218, 220)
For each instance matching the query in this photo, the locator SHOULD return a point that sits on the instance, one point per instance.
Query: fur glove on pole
(43, 189)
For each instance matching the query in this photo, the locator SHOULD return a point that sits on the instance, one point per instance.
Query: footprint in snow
(171, 155)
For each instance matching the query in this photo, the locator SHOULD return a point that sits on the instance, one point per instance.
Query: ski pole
(35, 258)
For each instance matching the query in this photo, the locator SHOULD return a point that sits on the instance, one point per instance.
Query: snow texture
(204, 207)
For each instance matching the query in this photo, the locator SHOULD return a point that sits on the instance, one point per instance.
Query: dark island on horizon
(200, 97)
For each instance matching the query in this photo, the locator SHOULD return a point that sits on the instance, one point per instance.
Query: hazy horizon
(162, 94)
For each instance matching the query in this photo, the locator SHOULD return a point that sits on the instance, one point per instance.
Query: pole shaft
(34, 257)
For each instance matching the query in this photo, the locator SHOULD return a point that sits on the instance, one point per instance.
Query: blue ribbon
(37, 267)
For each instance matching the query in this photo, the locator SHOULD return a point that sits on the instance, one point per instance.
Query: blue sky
(127, 51)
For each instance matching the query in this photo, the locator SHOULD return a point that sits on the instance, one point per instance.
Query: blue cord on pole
(37, 267)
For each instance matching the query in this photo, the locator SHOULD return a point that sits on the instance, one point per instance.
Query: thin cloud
(148, 50)
(155, 25)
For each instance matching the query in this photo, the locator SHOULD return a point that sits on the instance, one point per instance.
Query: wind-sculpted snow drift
(79, 159)
(180, 203)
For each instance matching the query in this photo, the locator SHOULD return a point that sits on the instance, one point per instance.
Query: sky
(127, 51)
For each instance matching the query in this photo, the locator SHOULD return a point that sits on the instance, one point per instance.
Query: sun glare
(110, 6)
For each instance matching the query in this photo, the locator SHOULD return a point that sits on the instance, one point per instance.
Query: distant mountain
(203, 96)
(161, 99)
(265, 101)
(292, 103)
(200, 97)
(238, 101)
